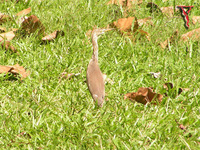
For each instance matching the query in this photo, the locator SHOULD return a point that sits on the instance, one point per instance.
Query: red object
(185, 13)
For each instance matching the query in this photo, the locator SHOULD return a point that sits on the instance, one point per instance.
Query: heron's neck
(95, 47)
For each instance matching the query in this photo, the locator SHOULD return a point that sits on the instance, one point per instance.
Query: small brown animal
(95, 81)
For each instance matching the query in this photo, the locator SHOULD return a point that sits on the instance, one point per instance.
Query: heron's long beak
(109, 29)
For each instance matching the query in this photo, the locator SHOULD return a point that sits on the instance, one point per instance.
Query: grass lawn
(42, 113)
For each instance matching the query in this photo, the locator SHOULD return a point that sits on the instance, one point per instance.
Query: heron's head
(99, 31)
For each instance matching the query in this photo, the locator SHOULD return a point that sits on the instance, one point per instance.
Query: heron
(95, 80)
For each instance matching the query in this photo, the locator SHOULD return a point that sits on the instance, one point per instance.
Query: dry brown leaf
(145, 21)
(126, 27)
(125, 24)
(144, 96)
(52, 36)
(66, 75)
(24, 12)
(7, 46)
(169, 40)
(7, 36)
(142, 32)
(155, 74)
(4, 18)
(193, 35)
(16, 70)
(153, 7)
(24, 134)
(5, 69)
(195, 19)
(169, 86)
(182, 127)
(31, 25)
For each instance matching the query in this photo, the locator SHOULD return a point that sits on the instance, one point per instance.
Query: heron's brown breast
(95, 79)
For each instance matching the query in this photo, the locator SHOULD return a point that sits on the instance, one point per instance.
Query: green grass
(42, 113)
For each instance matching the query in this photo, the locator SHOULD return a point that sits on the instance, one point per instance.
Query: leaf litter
(144, 95)
(15, 70)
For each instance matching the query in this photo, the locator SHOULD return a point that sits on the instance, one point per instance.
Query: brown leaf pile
(144, 96)
(15, 70)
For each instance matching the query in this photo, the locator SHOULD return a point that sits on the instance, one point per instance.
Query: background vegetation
(42, 113)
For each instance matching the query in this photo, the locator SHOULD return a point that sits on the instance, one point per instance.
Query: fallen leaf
(191, 35)
(126, 24)
(144, 96)
(52, 36)
(7, 46)
(169, 40)
(24, 134)
(24, 12)
(153, 7)
(66, 75)
(195, 19)
(155, 74)
(16, 70)
(182, 127)
(4, 18)
(7, 36)
(142, 32)
(145, 21)
(168, 86)
(129, 27)
(31, 25)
